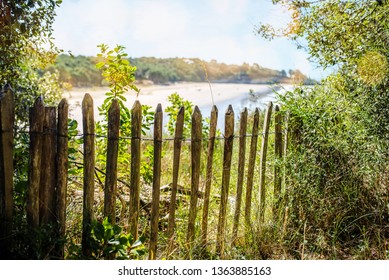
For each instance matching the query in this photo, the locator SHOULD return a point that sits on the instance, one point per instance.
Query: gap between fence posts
(262, 170)
(136, 133)
(208, 178)
(176, 166)
(89, 172)
(112, 162)
(156, 183)
(62, 173)
(250, 173)
(7, 118)
(227, 158)
(241, 167)
(195, 176)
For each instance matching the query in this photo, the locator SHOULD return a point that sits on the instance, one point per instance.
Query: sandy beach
(198, 93)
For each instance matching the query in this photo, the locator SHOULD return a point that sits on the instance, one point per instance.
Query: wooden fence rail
(48, 173)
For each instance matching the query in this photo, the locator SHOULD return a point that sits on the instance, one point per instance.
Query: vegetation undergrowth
(336, 170)
(337, 165)
(335, 200)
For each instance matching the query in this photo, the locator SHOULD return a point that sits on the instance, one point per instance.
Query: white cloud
(300, 60)
(81, 25)
(277, 16)
(229, 8)
(155, 21)
(208, 29)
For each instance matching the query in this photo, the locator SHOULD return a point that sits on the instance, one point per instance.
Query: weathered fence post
(34, 174)
(286, 146)
(195, 179)
(250, 171)
(262, 170)
(47, 181)
(156, 183)
(89, 171)
(112, 161)
(227, 158)
(62, 171)
(176, 166)
(7, 116)
(136, 132)
(208, 178)
(278, 149)
(241, 165)
(286, 180)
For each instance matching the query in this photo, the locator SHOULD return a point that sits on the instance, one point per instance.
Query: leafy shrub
(177, 102)
(335, 168)
(109, 242)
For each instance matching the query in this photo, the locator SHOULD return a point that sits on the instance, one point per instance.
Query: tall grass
(337, 194)
(333, 203)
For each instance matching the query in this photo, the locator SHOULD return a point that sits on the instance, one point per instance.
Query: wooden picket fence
(48, 169)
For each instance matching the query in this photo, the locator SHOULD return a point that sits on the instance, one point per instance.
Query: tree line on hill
(80, 71)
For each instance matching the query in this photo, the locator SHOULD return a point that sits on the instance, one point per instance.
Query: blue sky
(208, 29)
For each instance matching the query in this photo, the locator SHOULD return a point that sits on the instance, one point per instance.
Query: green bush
(336, 169)
(109, 242)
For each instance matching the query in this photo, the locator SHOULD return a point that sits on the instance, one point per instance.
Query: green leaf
(117, 229)
(138, 243)
(108, 234)
(21, 186)
(99, 231)
(123, 240)
(121, 97)
(114, 242)
(100, 65)
(130, 238)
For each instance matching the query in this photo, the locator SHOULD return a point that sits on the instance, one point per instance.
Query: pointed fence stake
(7, 117)
(227, 159)
(136, 132)
(89, 172)
(176, 166)
(112, 162)
(250, 173)
(34, 174)
(208, 178)
(195, 178)
(241, 163)
(262, 170)
(156, 183)
(62, 172)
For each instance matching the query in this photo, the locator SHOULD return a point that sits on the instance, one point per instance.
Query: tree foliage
(335, 33)
(337, 164)
(25, 48)
(25, 29)
(79, 71)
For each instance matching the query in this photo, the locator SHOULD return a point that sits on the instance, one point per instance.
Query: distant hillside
(80, 71)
